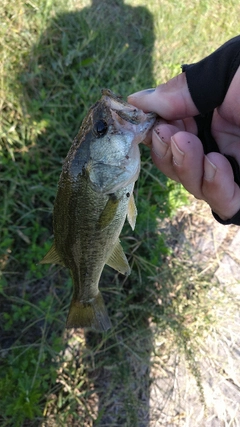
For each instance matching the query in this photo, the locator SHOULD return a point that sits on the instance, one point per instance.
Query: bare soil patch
(174, 397)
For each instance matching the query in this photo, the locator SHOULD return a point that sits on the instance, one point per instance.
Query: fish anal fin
(118, 260)
(91, 314)
(132, 212)
(52, 257)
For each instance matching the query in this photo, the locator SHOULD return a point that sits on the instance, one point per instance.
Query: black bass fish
(95, 194)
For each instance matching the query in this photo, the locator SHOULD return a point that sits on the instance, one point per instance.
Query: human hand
(178, 152)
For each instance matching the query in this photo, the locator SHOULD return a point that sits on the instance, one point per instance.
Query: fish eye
(100, 128)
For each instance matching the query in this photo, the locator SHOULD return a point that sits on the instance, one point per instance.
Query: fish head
(107, 150)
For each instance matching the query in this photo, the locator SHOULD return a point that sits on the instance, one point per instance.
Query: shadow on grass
(108, 44)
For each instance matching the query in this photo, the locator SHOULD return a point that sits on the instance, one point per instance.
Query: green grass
(55, 58)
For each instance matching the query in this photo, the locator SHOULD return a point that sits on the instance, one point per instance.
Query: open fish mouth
(127, 112)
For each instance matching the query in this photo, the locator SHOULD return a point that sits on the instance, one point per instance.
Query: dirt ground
(218, 249)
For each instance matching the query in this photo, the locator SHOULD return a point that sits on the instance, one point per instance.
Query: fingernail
(209, 169)
(178, 155)
(159, 147)
(143, 92)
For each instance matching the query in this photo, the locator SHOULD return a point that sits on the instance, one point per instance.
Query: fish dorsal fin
(132, 212)
(52, 257)
(118, 260)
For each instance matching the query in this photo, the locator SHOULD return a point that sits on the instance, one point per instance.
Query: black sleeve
(209, 79)
(208, 82)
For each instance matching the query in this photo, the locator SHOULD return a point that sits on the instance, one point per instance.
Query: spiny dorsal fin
(52, 257)
(118, 260)
(132, 212)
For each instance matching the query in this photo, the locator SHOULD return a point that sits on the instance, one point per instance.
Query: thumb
(171, 100)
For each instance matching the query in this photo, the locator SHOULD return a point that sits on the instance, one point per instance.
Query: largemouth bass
(95, 194)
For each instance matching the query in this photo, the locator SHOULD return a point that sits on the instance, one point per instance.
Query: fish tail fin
(92, 314)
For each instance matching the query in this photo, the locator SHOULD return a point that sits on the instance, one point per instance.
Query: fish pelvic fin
(132, 212)
(91, 314)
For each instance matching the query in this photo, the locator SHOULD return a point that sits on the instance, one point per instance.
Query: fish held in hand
(94, 197)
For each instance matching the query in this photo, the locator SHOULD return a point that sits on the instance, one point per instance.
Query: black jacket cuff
(209, 79)
(234, 220)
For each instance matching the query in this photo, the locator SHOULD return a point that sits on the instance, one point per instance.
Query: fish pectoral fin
(118, 260)
(52, 257)
(108, 212)
(132, 212)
